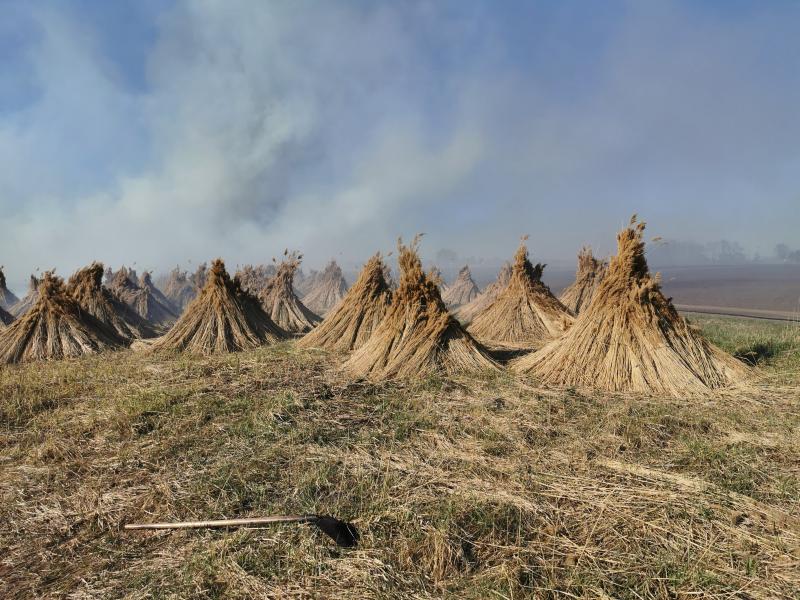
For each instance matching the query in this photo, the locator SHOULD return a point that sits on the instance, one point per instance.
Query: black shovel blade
(344, 534)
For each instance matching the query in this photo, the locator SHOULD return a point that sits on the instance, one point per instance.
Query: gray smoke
(335, 127)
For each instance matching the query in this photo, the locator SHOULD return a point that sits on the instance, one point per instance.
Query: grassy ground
(486, 487)
(756, 341)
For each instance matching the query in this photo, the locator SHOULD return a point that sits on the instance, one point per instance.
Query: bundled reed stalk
(86, 287)
(146, 283)
(304, 283)
(631, 339)
(462, 291)
(254, 279)
(469, 311)
(142, 300)
(352, 322)
(435, 276)
(418, 336)
(179, 289)
(282, 304)
(223, 318)
(525, 314)
(387, 275)
(55, 327)
(329, 289)
(7, 297)
(24, 305)
(124, 285)
(198, 278)
(6, 318)
(590, 273)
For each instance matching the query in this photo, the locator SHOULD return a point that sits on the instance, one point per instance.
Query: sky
(160, 132)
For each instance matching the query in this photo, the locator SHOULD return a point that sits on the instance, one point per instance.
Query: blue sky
(164, 131)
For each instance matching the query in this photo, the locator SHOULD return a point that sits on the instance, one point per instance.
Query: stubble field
(476, 487)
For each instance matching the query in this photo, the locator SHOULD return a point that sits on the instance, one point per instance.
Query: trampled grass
(461, 487)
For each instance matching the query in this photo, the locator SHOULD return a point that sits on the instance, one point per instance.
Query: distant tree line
(672, 252)
(785, 254)
(660, 252)
(722, 252)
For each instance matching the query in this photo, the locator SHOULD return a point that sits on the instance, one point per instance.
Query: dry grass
(223, 318)
(525, 313)
(55, 327)
(7, 297)
(468, 312)
(329, 288)
(25, 304)
(418, 336)
(631, 338)
(462, 291)
(461, 487)
(87, 289)
(351, 324)
(590, 273)
(282, 304)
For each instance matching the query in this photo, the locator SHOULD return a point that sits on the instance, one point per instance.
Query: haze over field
(400, 299)
(159, 132)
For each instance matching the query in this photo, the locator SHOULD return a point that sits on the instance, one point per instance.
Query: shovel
(344, 534)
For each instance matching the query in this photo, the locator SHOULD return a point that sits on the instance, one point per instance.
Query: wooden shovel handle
(224, 522)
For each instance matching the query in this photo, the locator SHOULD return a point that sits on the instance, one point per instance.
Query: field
(765, 287)
(486, 487)
(774, 288)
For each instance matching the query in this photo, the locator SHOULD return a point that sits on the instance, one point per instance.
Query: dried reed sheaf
(590, 273)
(146, 283)
(435, 276)
(55, 327)
(7, 297)
(631, 339)
(223, 318)
(469, 311)
(254, 278)
(355, 318)
(86, 287)
(108, 276)
(179, 288)
(282, 304)
(525, 313)
(198, 278)
(142, 300)
(27, 302)
(6, 318)
(418, 336)
(303, 283)
(462, 291)
(328, 290)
